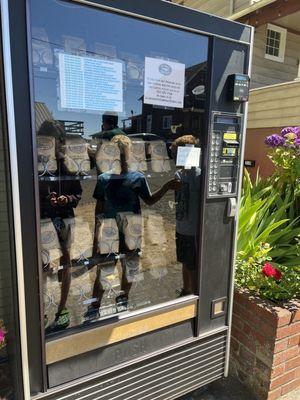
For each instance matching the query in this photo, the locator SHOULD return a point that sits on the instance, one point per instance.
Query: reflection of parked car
(150, 137)
(147, 137)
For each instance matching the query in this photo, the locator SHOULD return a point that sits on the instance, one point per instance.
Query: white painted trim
(274, 85)
(282, 43)
(15, 192)
(249, 10)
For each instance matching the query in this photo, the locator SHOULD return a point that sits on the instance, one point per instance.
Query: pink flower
(277, 274)
(268, 270)
(2, 335)
(271, 272)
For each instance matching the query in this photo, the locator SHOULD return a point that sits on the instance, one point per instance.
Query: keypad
(213, 179)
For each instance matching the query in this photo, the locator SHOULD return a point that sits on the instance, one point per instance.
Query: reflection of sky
(133, 39)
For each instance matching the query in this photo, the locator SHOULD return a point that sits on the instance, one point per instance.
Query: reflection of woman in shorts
(117, 193)
(58, 199)
(187, 206)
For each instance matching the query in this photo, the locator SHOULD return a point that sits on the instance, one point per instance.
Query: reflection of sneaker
(122, 302)
(92, 313)
(62, 321)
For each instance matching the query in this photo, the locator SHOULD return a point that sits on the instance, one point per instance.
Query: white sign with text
(188, 156)
(164, 83)
(88, 83)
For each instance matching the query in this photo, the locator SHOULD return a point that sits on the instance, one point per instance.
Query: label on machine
(224, 155)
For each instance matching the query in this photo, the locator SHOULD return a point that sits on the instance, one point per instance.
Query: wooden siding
(267, 72)
(275, 106)
(240, 5)
(256, 150)
(216, 7)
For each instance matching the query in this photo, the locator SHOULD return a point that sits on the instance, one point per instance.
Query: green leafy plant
(268, 240)
(267, 216)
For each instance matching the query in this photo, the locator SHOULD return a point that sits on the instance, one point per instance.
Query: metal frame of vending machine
(192, 349)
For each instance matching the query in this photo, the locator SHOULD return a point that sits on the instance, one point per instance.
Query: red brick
(234, 345)
(270, 318)
(280, 345)
(268, 330)
(291, 353)
(238, 308)
(284, 317)
(295, 328)
(279, 358)
(253, 319)
(237, 321)
(296, 316)
(247, 329)
(283, 332)
(294, 341)
(260, 338)
(242, 338)
(293, 363)
(282, 379)
(278, 370)
(290, 386)
(275, 394)
(241, 298)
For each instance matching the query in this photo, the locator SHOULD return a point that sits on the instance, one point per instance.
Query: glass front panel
(119, 110)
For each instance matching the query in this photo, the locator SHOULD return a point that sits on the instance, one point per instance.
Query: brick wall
(265, 345)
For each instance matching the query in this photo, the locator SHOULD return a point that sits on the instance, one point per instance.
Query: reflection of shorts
(60, 228)
(186, 250)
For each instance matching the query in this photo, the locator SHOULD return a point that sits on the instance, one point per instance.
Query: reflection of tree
(186, 120)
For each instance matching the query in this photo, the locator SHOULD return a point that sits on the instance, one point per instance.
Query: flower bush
(2, 335)
(268, 249)
(285, 155)
(272, 281)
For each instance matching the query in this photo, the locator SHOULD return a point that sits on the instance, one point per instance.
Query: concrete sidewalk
(229, 389)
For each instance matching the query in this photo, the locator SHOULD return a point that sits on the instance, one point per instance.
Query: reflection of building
(42, 114)
(168, 121)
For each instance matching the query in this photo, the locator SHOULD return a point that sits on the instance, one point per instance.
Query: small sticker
(230, 135)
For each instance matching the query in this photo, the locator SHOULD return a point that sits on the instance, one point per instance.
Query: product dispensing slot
(224, 155)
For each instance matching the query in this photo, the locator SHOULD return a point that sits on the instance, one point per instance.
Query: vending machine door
(129, 151)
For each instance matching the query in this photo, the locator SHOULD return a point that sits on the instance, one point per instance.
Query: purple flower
(291, 129)
(288, 129)
(297, 142)
(297, 131)
(274, 140)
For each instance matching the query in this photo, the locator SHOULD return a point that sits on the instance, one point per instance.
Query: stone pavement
(229, 389)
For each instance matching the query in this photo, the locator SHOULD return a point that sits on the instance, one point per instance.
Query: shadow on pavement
(223, 389)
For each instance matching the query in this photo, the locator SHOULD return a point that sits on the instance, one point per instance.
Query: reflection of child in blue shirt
(121, 193)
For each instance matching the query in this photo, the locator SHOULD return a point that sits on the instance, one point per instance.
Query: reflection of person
(121, 193)
(57, 201)
(187, 206)
(110, 126)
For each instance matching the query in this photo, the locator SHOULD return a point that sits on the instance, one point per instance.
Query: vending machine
(126, 128)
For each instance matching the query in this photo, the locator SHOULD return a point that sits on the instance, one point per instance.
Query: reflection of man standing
(110, 126)
(187, 210)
